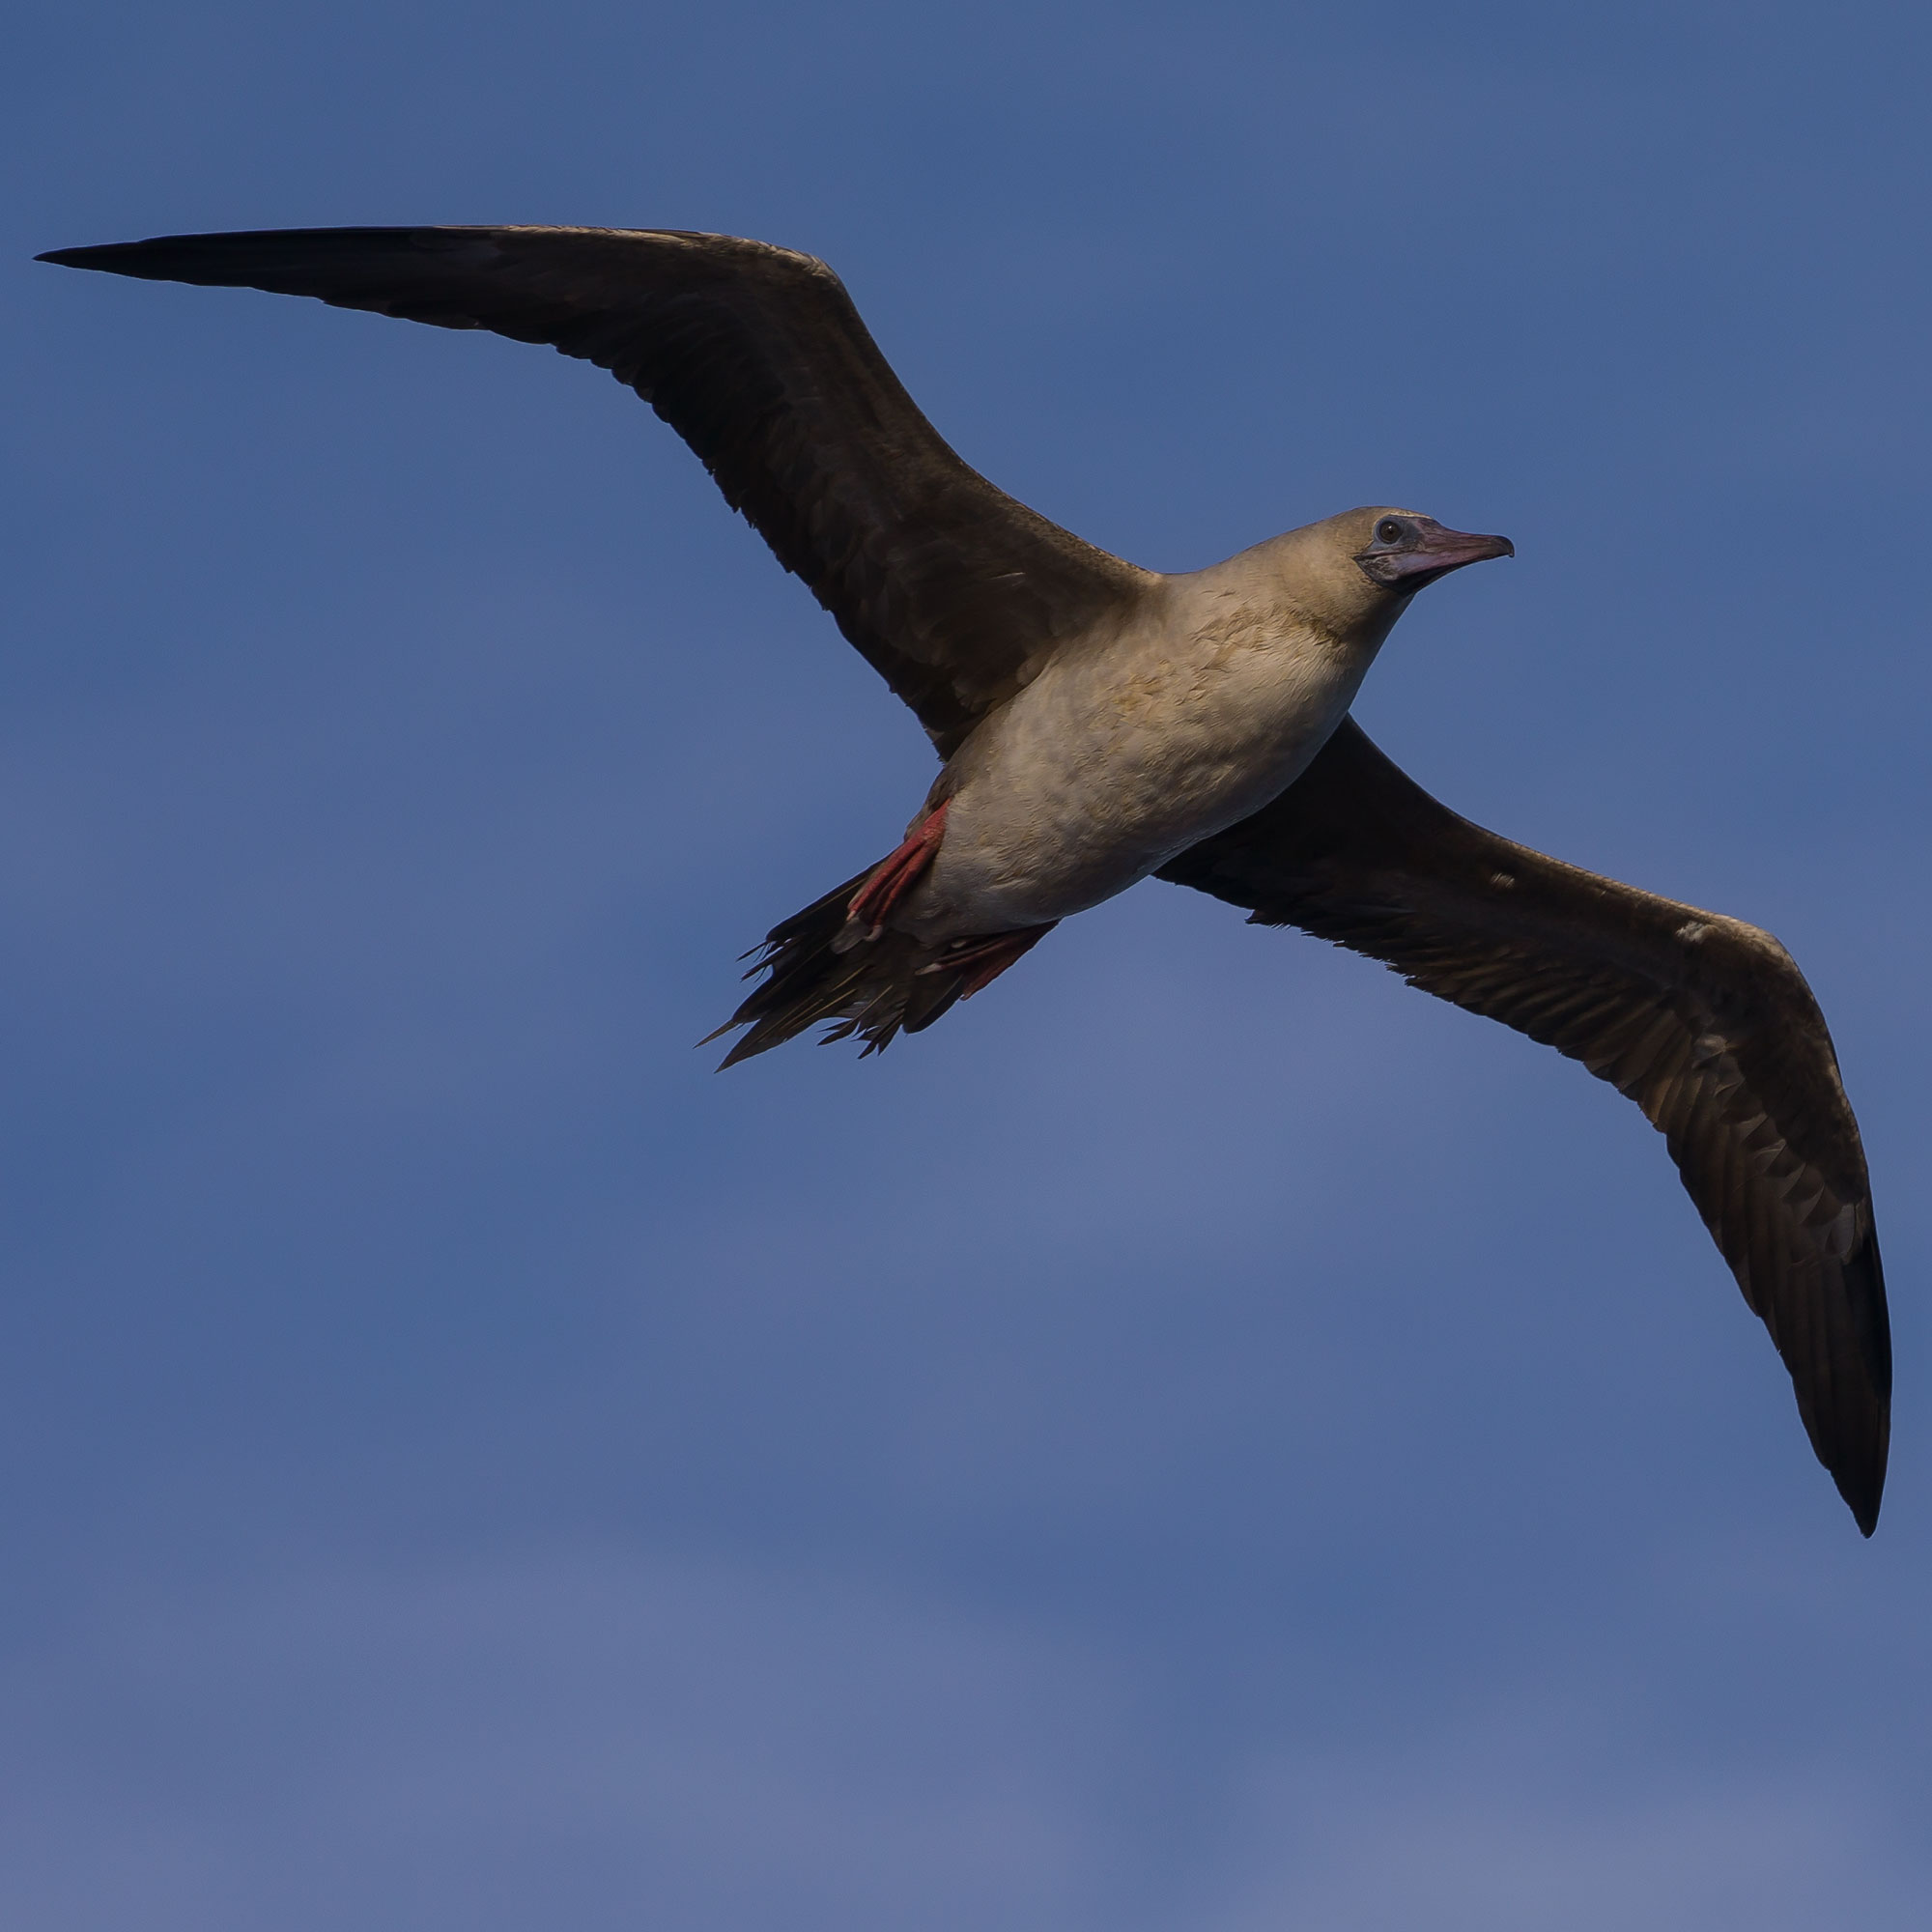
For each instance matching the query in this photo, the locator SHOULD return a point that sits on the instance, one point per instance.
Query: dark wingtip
(1858, 1476)
(120, 258)
(282, 260)
(1862, 1500)
(1856, 1457)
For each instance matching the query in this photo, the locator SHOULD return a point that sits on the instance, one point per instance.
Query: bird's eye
(1389, 531)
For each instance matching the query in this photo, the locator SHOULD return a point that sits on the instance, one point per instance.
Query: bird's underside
(962, 598)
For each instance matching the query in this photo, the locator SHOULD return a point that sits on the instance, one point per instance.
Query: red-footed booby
(1099, 724)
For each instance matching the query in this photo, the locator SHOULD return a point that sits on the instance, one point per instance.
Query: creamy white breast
(1127, 751)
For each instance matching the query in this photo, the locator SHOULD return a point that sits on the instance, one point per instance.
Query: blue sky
(1206, 1440)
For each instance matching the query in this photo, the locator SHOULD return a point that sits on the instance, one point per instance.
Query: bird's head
(1358, 570)
(1401, 550)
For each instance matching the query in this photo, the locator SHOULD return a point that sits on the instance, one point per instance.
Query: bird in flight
(1099, 724)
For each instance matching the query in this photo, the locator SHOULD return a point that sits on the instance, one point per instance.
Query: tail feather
(876, 989)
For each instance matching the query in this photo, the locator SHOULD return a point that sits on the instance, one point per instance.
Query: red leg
(987, 958)
(893, 877)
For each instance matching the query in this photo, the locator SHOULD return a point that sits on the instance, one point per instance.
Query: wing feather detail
(954, 593)
(1705, 1022)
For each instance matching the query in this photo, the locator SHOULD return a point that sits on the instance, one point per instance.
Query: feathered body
(1141, 739)
(1098, 722)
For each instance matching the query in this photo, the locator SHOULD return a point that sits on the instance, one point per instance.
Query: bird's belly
(1077, 793)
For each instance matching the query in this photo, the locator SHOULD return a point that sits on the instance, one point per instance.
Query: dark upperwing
(952, 591)
(1705, 1022)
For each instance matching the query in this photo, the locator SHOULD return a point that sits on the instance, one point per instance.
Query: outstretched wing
(952, 590)
(1705, 1022)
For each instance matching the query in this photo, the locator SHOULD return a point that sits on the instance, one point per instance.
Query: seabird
(1098, 723)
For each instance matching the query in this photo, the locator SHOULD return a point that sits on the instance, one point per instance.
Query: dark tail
(875, 989)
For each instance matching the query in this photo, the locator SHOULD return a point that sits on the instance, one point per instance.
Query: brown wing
(1705, 1022)
(950, 589)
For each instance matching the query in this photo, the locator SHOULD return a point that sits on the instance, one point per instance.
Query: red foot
(893, 877)
(987, 958)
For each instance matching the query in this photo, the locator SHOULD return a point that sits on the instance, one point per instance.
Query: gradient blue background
(1205, 1440)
